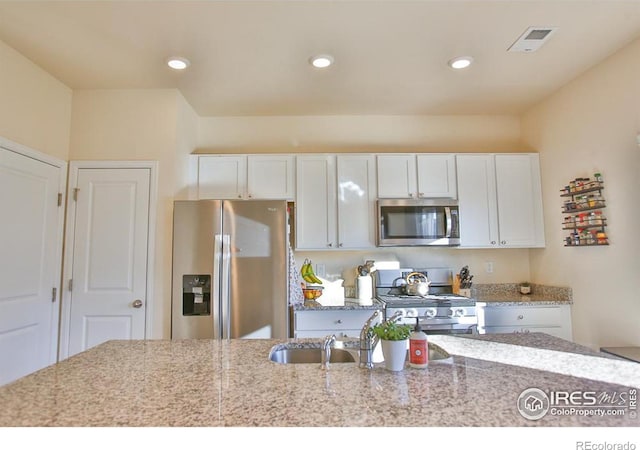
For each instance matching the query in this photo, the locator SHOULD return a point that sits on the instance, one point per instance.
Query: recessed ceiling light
(178, 63)
(321, 61)
(461, 62)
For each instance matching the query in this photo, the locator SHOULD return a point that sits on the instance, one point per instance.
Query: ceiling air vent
(532, 39)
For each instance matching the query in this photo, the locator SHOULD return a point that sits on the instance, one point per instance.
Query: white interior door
(108, 287)
(30, 235)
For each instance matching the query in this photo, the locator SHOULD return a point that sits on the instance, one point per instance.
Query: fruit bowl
(311, 293)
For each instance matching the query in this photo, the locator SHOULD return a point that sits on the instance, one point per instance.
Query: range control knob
(430, 312)
(456, 312)
(411, 312)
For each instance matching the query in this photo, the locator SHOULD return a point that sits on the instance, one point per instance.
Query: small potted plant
(525, 287)
(394, 339)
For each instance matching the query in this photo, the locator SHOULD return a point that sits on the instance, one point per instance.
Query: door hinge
(59, 198)
(75, 194)
(70, 284)
(54, 294)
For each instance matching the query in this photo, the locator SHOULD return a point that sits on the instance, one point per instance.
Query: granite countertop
(211, 383)
(508, 294)
(349, 303)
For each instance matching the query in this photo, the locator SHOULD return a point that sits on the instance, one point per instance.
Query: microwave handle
(447, 213)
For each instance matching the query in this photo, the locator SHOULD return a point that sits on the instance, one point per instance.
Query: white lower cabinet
(551, 319)
(321, 323)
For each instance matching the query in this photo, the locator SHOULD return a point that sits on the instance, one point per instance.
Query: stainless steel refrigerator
(230, 269)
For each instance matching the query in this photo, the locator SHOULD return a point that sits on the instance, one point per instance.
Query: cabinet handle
(520, 317)
(339, 321)
(329, 244)
(250, 196)
(503, 242)
(420, 194)
(239, 195)
(340, 244)
(493, 242)
(410, 194)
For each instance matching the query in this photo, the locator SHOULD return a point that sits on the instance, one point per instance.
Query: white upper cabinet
(500, 200)
(335, 202)
(417, 175)
(356, 201)
(271, 176)
(437, 176)
(397, 176)
(222, 176)
(246, 176)
(477, 201)
(519, 200)
(316, 202)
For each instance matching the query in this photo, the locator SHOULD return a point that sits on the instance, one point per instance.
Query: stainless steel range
(439, 312)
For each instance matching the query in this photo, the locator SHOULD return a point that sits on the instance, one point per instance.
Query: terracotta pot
(395, 354)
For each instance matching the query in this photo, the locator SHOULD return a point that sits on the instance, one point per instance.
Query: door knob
(137, 303)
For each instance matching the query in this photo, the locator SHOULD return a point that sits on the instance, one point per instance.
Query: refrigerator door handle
(216, 290)
(225, 291)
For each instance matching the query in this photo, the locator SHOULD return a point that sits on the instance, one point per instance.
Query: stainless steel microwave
(417, 222)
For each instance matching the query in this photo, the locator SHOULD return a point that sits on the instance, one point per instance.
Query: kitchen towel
(295, 281)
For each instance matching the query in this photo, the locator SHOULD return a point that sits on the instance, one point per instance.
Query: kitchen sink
(309, 355)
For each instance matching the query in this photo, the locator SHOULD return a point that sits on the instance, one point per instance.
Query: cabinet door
(316, 222)
(270, 176)
(396, 176)
(519, 199)
(356, 201)
(437, 176)
(332, 320)
(477, 201)
(222, 176)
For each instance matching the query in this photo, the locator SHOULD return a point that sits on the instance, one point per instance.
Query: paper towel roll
(364, 289)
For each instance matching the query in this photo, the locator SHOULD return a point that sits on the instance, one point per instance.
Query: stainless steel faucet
(326, 351)
(368, 340)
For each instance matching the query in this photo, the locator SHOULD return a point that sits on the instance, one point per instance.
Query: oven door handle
(468, 321)
(447, 213)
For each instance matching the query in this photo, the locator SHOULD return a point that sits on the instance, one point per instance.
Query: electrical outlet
(488, 266)
(321, 271)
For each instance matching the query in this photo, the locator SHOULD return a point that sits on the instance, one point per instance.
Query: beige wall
(298, 134)
(509, 265)
(36, 108)
(140, 125)
(591, 125)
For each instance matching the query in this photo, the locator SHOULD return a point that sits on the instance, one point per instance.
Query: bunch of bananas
(307, 273)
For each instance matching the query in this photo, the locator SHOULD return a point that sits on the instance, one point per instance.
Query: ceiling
(250, 58)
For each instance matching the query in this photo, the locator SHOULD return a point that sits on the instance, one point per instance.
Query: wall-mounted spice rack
(583, 204)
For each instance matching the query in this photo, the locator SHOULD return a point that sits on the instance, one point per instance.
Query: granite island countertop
(211, 383)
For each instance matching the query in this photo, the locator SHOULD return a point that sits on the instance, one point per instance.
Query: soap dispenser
(418, 348)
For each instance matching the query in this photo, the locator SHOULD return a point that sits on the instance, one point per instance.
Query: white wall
(141, 125)
(591, 125)
(36, 108)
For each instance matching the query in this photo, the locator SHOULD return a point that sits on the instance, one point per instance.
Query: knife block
(456, 284)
